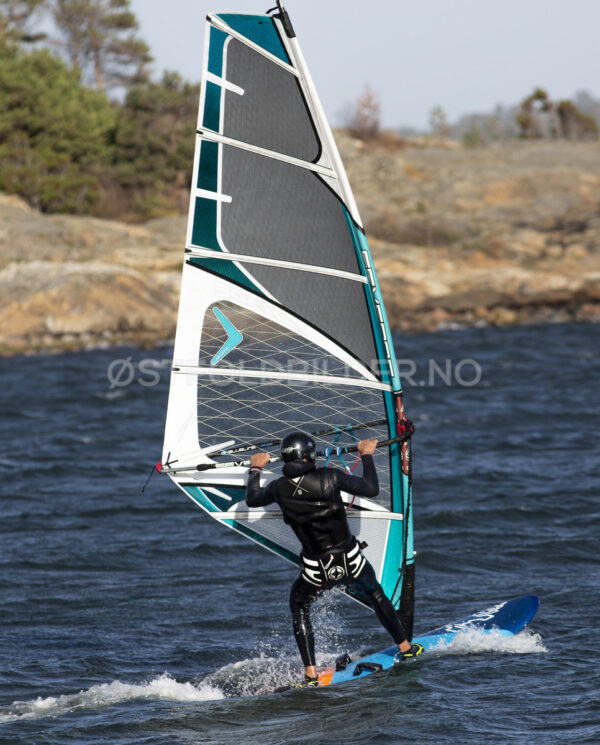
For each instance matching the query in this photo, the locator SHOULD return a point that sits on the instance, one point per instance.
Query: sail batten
(204, 134)
(247, 258)
(281, 324)
(266, 374)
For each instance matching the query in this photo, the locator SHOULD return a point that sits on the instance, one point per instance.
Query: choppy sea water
(131, 618)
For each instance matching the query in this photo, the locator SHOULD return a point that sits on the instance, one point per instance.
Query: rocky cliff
(493, 235)
(502, 234)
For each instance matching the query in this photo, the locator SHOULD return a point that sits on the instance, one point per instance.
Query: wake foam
(474, 641)
(163, 688)
(262, 674)
(254, 677)
(275, 661)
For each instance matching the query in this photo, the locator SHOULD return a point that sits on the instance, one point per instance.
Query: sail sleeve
(281, 322)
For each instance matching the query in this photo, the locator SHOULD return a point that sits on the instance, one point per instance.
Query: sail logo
(234, 337)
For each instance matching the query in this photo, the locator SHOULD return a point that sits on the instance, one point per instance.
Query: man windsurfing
(311, 503)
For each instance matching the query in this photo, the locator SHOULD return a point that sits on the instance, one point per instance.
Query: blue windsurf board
(507, 618)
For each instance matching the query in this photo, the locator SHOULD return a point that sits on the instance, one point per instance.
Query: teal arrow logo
(234, 337)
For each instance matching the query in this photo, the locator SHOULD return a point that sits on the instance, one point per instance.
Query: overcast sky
(464, 55)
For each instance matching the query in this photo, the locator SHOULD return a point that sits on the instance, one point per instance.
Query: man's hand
(367, 447)
(260, 460)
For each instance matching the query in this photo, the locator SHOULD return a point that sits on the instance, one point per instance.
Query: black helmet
(297, 446)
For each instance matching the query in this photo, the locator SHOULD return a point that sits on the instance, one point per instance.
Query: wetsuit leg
(302, 596)
(367, 582)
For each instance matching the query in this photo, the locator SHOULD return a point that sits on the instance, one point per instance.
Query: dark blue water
(131, 618)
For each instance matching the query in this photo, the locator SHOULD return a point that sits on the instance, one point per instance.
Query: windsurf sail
(281, 324)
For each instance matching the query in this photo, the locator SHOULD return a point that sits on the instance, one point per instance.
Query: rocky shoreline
(497, 235)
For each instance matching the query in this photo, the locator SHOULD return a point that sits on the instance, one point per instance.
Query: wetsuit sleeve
(367, 486)
(257, 497)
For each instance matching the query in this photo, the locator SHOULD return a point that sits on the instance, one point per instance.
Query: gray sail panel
(334, 305)
(281, 211)
(271, 113)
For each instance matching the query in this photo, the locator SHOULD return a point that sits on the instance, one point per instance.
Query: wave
(163, 688)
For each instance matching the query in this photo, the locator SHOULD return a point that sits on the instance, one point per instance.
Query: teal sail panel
(259, 29)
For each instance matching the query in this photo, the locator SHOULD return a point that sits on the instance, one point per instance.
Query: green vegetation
(154, 145)
(54, 132)
(64, 145)
(84, 129)
(541, 117)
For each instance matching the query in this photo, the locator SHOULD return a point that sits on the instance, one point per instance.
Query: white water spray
(163, 688)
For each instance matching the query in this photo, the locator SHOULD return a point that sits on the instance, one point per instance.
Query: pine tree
(154, 144)
(532, 112)
(438, 121)
(55, 134)
(100, 38)
(15, 20)
(574, 124)
(365, 121)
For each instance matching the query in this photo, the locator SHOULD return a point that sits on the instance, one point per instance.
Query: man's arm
(368, 485)
(255, 496)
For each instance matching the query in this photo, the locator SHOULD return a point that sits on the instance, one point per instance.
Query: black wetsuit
(312, 506)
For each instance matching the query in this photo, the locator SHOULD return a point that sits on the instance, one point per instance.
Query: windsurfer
(312, 506)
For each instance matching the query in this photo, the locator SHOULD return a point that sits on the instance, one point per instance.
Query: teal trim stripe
(259, 29)
(381, 327)
(226, 269)
(237, 494)
(212, 106)
(266, 542)
(200, 498)
(208, 165)
(220, 502)
(204, 229)
(399, 532)
(215, 51)
(399, 488)
(372, 293)
(393, 562)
